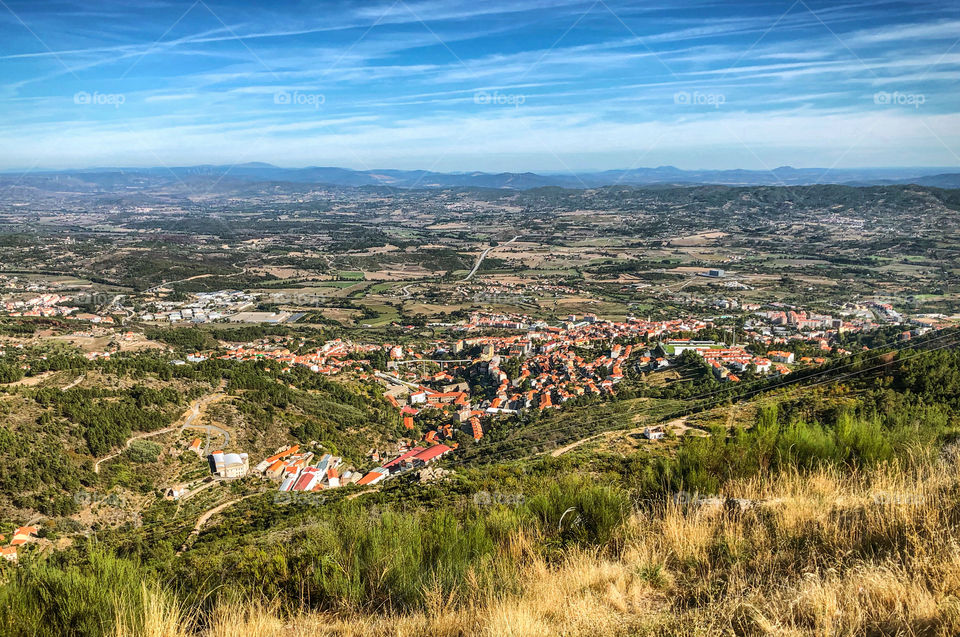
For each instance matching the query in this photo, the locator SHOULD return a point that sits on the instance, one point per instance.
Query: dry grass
(832, 553)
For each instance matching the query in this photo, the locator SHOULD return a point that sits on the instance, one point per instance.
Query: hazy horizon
(545, 172)
(449, 86)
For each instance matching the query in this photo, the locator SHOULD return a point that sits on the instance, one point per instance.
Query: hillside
(78, 430)
(108, 179)
(828, 508)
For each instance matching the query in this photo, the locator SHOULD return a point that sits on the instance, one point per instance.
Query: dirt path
(96, 465)
(679, 425)
(168, 283)
(193, 412)
(209, 513)
(30, 381)
(189, 494)
(556, 453)
(74, 383)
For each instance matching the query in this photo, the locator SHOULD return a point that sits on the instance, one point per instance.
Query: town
(442, 389)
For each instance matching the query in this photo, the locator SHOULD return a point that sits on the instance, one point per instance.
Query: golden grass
(827, 553)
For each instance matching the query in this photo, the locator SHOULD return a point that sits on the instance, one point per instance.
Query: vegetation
(822, 503)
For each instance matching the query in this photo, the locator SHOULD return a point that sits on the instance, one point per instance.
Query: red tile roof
(399, 459)
(432, 453)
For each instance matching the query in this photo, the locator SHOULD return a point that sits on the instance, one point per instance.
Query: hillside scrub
(827, 551)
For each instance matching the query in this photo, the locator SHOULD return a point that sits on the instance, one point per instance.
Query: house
(333, 478)
(374, 476)
(763, 365)
(175, 493)
(23, 535)
(9, 553)
(445, 398)
(275, 470)
(308, 479)
(290, 475)
(196, 447)
(781, 357)
(282, 454)
(653, 433)
(477, 428)
(402, 460)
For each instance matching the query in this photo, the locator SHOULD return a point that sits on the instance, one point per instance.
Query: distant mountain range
(661, 175)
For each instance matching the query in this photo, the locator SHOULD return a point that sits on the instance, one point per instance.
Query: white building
(230, 465)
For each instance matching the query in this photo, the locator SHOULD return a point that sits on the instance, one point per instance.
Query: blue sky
(480, 85)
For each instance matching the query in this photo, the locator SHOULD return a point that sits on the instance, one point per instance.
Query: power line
(948, 333)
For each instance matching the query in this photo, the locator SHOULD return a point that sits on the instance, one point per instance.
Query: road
(483, 255)
(192, 413)
(169, 283)
(193, 278)
(396, 381)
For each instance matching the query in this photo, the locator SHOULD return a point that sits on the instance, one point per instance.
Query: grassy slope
(824, 553)
(843, 519)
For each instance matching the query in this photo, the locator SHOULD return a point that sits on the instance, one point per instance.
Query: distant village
(493, 364)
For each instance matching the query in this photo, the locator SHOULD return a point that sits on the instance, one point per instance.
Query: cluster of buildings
(204, 307)
(303, 471)
(331, 358)
(510, 292)
(43, 305)
(548, 365)
(408, 460)
(727, 361)
(50, 304)
(288, 463)
(445, 388)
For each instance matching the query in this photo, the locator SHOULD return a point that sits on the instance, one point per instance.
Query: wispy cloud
(399, 82)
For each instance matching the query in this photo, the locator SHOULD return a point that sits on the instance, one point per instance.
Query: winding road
(483, 255)
(192, 413)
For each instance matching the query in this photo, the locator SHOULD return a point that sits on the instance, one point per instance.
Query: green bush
(80, 600)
